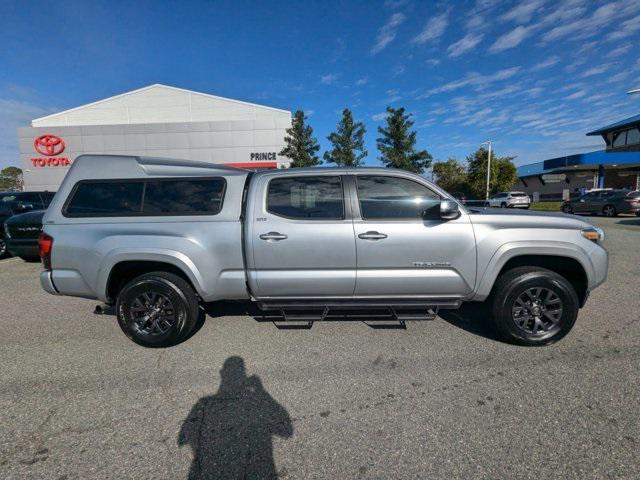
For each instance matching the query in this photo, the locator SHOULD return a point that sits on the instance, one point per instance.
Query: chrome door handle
(273, 236)
(372, 236)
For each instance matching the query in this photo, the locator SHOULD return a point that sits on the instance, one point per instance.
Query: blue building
(617, 166)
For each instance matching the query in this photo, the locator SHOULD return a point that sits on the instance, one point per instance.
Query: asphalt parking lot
(241, 398)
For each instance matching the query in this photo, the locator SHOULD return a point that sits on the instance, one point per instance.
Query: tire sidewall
(503, 308)
(160, 285)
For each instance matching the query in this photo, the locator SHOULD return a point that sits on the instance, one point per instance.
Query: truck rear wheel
(157, 309)
(533, 306)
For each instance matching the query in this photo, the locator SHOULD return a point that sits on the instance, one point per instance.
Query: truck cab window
(306, 197)
(395, 198)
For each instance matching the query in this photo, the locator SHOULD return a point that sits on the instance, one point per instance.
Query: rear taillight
(45, 245)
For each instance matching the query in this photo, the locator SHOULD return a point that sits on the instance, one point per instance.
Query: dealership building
(617, 166)
(155, 121)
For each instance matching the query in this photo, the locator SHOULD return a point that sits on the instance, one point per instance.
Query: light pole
(488, 142)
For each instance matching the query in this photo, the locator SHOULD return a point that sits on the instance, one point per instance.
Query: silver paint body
(295, 259)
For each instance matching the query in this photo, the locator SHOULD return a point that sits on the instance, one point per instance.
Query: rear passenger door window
(306, 197)
(106, 199)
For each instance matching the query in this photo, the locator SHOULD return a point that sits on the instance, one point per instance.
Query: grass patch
(546, 206)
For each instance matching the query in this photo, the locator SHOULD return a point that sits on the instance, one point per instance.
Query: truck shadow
(472, 317)
(231, 432)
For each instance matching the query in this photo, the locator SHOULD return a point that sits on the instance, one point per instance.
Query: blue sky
(533, 76)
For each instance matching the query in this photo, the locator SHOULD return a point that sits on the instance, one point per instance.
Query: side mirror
(449, 210)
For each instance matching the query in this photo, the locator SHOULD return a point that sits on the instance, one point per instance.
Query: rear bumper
(23, 248)
(47, 283)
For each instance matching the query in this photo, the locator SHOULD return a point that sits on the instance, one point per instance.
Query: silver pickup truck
(157, 237)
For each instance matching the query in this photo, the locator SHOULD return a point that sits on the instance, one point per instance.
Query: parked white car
(510, 200)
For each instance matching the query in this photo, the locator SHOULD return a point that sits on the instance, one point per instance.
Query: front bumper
(47, 283)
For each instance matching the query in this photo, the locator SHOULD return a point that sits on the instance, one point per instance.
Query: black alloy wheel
(533, 306)
(157, 309)
(609, 211)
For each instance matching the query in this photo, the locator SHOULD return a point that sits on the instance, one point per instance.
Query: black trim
(243, 225)
(141, 213)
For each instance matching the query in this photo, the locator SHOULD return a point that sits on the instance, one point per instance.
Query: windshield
(7, 198)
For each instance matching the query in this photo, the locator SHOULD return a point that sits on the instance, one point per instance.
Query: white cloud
(628, 28)
(621, 50)
(393, 96)
(576, 95)
(473, 80)
(465, 44)
(387, 32)
(584, 27)
(362, 81)
(433, 62)
(398, 70)
(522, 12)
(596, 70)
(379, 116)
(433, 29)
(510, 39)
(549, 62)
(329, 78)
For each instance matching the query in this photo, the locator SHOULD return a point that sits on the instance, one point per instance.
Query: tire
(153, 294)
(638, 213)
(567, 208)
(515, 322)
(3, 248)
(609, 211)
(503, 205)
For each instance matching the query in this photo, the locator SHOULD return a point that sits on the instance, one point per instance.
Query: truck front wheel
(157, 309)
(533, 306)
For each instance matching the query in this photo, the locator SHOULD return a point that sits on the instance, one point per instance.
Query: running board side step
(309, 312)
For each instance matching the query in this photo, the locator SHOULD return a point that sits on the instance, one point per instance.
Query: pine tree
(301, 146)
(346, 141)
(397, 143)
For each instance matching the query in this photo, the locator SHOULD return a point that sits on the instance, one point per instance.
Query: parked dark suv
(13, 203)
(21, 234)
(605, 202)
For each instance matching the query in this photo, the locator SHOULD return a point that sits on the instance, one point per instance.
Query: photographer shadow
(231, 432)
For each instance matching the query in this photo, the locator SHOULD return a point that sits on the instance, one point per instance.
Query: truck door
(301, 238)
(404, 248)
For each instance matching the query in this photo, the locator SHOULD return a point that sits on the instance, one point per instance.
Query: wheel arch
(568, 262)
(122, 268)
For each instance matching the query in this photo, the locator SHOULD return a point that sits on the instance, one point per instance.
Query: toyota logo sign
(49, 145)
